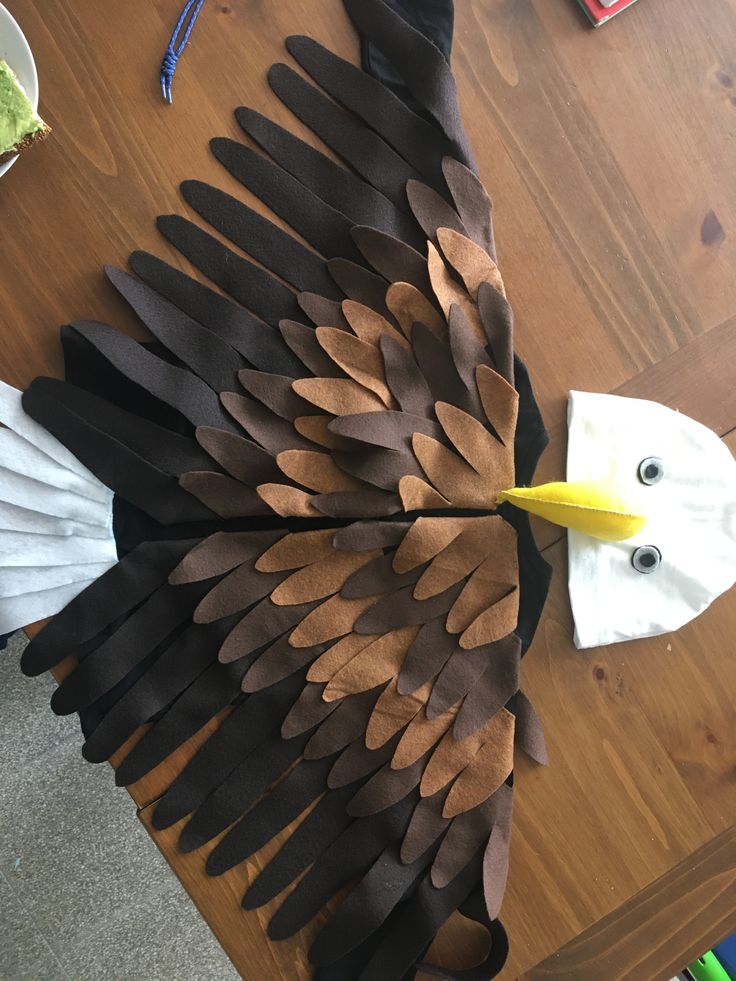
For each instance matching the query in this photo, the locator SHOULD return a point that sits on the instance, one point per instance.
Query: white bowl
(15, 50)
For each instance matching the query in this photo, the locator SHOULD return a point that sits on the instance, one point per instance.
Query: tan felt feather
(486, 586)
(470, 260)
(296, 550)
(417, 495)
(500, 402)
(461, 557)
(487, 770)
(370, 326)
(357, 358)
(332, 619)
(421, 735)
(409, 306)
(448, 291)
(317, 429)
(376, 663)
(483, 452)
(321, 579)
(289, 502)
(453, 477)
(452, 756)
(340, 396)
(392, 712)
(220, 553)
(317, 471)
(425, 539)
(336, 657)
(498, 621)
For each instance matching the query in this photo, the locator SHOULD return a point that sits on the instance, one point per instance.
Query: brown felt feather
(448, 291)
(316, 428)
(370, 326)
(228, 498)
(220, 553)
(472, 262)
(340, 396)
(392, 712)
(487, 770)
(317, 471)
(357, 358)
(409, 307)
(332, 619)
(289, 502)
(320, 579)
(378, 662)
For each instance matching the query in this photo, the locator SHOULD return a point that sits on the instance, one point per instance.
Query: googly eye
(651, 470)
(646, 559)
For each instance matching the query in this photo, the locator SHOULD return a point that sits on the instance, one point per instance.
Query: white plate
(15, 50)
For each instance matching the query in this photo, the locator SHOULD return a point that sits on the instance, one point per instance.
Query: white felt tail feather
(56, 533)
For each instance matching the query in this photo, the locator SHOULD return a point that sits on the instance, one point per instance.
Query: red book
(599, 12)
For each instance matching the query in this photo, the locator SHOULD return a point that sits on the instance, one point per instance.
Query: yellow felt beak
(595, 507)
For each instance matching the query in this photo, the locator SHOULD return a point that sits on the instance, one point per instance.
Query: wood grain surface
(610, 157)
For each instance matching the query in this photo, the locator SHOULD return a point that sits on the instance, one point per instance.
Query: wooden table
(611, 157)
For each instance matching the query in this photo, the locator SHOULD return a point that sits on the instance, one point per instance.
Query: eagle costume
(316, 480)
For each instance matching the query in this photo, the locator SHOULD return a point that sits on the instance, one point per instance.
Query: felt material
(376, 663)
(466, 833)
(258, 291)
(295, 551)
(435, 360)
(452, 756)
(393, 259)
(420, 736)
(487, 770)
(308, 841)
(326, 229)
(360, 284)
(273, 433)
(222, 495)
(241, 458)
(304, 344)
(317, 429)
(322, 313)
(528, 733)
(370, 326)
(215, 688)
(330, 620)
(377, 578)
(357, 762)
(498, 326)
(275, 392)
(276, 663)
(338, 655)
(364, 150)
(432, 211)
(391, 713)
(358, 359)
(416, 495)
(265, 242)
(412, 136)
(342, 727)
(390, 429)
(467, 352)
(301, 787)
(320, 579)
(363, 535)
(405, 380)
(367, 906)
(463, 669)
(111, 596)
(494, 688)
(340, 396)
(402, 610)
(471, 201)
(211, 358)
(472, 262)
(426, 657)
(317, 471)
(253, 338)
(496, 857)
(409, 306)
(287, 501)
(309, 710)
(386, 788)
(352, 853)
(237, 591)
(500, 402)
(334, 184)
(426, 826)
(448, 291)
(368, 503)
(263, 624)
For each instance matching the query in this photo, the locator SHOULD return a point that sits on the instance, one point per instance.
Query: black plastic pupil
(647, 559)
(651, 471)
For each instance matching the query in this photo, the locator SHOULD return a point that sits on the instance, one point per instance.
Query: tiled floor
(84, 893)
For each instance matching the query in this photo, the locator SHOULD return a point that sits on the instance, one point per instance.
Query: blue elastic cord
(174, 50)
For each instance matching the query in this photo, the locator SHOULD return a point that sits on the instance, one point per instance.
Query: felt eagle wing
(307, 468)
